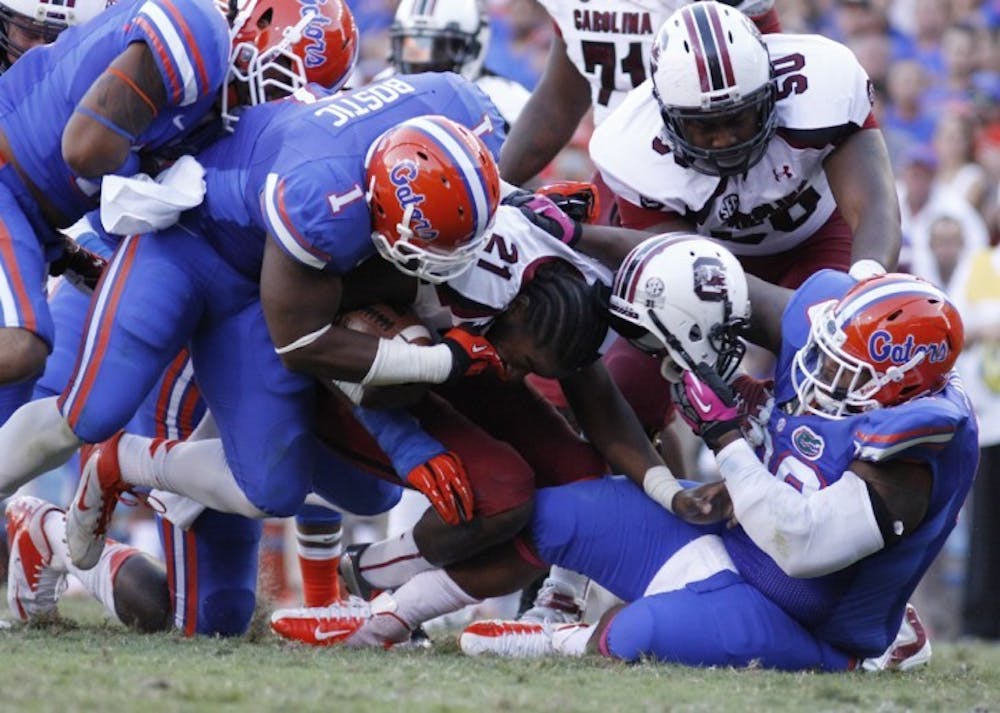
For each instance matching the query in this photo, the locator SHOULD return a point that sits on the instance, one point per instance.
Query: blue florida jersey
(189, 40)
(859, 608)
(296, 168)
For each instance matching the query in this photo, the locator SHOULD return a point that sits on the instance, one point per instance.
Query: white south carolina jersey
(824, 96)
(509, 259)
(609, 41)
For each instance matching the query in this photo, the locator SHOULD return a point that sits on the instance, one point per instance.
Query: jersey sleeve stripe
(882, 452)
(280, 226)
(173, 82)
(172, 52)
(191, 44)
(472, 175)
(917, 434)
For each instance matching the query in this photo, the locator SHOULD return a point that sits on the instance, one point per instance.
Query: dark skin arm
(769, 302)
(91, 149)
(860, 176)
(611, 426)
(298, 300)
(548, 120)
(610, 245)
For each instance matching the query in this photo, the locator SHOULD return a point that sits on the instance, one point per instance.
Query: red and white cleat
(322, 626)
(509, 639)
(94, 502)
(33, 584)
(910, 649)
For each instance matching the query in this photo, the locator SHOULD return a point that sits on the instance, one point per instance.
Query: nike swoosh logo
(83, 494)
(479, 348)
(322, 635)
(703, 407)
(179, 122)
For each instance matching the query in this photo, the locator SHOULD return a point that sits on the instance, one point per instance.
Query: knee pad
(226, 612)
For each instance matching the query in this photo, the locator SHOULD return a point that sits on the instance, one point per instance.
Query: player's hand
(472, 354)
(78, 265)
(705, 504)
(707, 404)
(545, 214)
(577, 199)
(444, 481)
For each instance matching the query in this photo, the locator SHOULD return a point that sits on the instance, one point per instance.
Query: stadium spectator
(976, 291)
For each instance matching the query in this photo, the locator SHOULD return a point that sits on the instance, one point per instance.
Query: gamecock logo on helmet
(709, 279)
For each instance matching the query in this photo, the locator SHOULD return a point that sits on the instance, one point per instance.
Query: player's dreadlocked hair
(566, 314)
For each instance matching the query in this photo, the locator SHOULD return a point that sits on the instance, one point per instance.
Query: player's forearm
(607, 244)
(610, 423)
(548, 120)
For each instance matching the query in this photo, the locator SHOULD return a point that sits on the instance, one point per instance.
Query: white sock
(390, 563)
(196, 469)
(54, 526)
(34, 440)
(100, 579)
(396, 615)
(427, 595)
(571, 639)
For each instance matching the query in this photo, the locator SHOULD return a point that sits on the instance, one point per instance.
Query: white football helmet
(440, 36)
(40, 19)
(685, 297)
(710, 65)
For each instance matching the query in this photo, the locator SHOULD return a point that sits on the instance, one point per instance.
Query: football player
(105, 99)
(271, 57)
(451, 37)
(735, 147)
(28, 23)
(843, 500)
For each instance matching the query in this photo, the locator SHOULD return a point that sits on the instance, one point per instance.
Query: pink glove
(707, 404)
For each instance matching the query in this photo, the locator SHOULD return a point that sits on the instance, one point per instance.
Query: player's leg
(502, 485)
(719, 621)
(318, 529)
(26, 331)
(122, 353)
(212, 573)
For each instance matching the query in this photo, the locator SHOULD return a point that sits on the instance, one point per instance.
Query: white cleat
(33, 584)
(97, 493)
(508, 639)
(910, 649)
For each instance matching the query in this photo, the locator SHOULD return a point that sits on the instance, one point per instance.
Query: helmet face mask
(890, 339)
(450, 36)
(685, 299)
(752, 121)
(27, 23)
(713, 81)
(279, 46)
(433, 189)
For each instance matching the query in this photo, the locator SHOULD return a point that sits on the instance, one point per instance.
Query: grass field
(96, 666)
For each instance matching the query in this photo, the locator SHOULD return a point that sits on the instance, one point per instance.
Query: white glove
(140, 204)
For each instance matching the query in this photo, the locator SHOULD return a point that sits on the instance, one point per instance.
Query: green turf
(95, 666)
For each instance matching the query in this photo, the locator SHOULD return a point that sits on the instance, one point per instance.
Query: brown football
(386, 321)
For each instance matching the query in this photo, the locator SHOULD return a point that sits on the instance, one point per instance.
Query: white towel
(140, 204)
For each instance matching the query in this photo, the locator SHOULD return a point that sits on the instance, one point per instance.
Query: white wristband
(397, 362)
(863, 269)
(661, 485)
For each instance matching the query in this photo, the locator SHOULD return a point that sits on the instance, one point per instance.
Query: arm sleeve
(806, 534)
(400, 435)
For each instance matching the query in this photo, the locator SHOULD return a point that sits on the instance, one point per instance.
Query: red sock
(320, 581)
